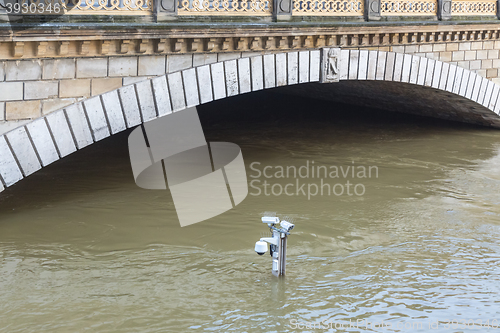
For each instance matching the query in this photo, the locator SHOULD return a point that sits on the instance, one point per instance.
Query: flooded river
(416, 243)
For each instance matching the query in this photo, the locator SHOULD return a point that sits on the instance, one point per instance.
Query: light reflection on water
(82, 248)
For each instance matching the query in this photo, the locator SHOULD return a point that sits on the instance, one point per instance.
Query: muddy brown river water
(83, 249)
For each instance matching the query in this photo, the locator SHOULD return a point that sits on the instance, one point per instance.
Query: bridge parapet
(289, 10)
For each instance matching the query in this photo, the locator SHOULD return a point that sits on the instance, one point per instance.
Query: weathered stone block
(2, 70)
(470, 55)
(476, 64)
(204, 59)
(488, 45)
(231, 76)
(257, 76)
(146, 100)
(130, 105)
(177, 62)
(40, 135)
(100, 86)
(228, 56)
(399, 49)
(162, 96)
(22, 110)
(11, 91)
(50, 105)
(424, 48)
(381, 60)
(131, 80)
(436, 76)
(293, 67)
(23, 150)
(97, 118)
(79, 125)
(458, 55)
(23, 70)
(61, 132)
(90, 68)
(123, 66)
(415, 63)
(451, 78)
(429, 74)
(303, 67)
(464, 64)
(281, 69)
(74, 88)
(476, 45)
(40, 89)
(9, 169)
(2, 111)
(482, 54)
(405, 74)
(270, 70)
(219, 84)
(389, 67)
(496, 63)
(315, 64)
(440, 47)
(152, 65)
(487, 64)
(445, 56)
(59, 69)
(114, 113)
(491, 73)
(244, 79)
(205, 83)
(411, 49)
(464, 46)
(191, 86)
(363, 65)
(493, 54)
(452, 46)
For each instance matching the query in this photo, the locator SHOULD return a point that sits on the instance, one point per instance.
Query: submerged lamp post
(277, 242)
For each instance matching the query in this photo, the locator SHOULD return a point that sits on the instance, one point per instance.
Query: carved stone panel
(283, 8)
(330, 65)
(372, 10)
(444, 9)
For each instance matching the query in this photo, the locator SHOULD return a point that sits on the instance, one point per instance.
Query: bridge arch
(43, 141)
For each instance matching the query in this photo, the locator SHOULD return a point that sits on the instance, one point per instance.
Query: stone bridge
(325, 72)
(93, 70)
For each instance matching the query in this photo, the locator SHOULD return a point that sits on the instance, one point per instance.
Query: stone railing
(280, 9)
(408, 7)
(76, 7)
(474, 7)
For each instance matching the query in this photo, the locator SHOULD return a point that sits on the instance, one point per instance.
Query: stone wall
(33, 88)
(40, 142)
(480, 57)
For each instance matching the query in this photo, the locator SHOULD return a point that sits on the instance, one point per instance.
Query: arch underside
(387, 80)
(399, 97)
